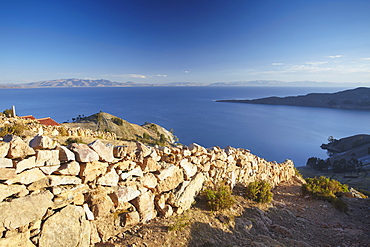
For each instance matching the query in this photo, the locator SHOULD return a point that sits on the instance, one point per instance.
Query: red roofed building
(44, 121)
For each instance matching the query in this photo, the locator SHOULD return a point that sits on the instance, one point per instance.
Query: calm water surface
(272, 132)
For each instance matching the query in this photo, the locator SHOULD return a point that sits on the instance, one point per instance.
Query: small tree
(8, 113)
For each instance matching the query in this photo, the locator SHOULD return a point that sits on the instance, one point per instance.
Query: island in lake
(358, 98)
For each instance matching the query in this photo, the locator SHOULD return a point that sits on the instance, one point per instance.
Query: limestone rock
(144, 150)
(145, 206)
(99, 202)
(4, 148)
(149, 181)
(6, 163)
(119, 151)
(68, 227)
(136, 172)
(189, 169)
(21, 211)
(18, 148)
(25, 164)
(149, 165)
(71, 168)
(20, 239)
(109, 179)
(84, 153)
(169, 178)
(27, 177)
(9, 190)
(131, 218)
(185, 198)
(56, 180)
(7, 173)
(39, 184)
(89, 214)
(105, 152)
(127, 193)
(42, 142)
(47, 170)
(47, 157)
(91, 170)
(68, 194)
(65, 154)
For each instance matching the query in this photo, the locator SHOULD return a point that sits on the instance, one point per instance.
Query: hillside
(358, 98)
(149, 132)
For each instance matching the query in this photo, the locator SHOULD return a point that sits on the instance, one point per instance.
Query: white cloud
(276, 64)
(161, 75)
(365, 58)
(315, 63)
(335, 56)
(187, 71)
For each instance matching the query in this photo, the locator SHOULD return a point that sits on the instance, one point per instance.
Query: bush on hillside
(220, 197)
(12, 129)
(259, 191)
(326, 189)
(117, 121)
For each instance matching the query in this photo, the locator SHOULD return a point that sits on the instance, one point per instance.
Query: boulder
(83, 152)
(71, 168)
(9, 190)
(105, 152)
(189, 169)
(149, 181)
(66, 228)
(25, 164)
(6, 163)
(109, 179)
(7, 173)
(4, 148)
(91, 170)
(19, 239)
(27, 177)
(144, 150)
(169, 178)
(21, 211)
(149, 165)
(42, 142)
(18, 148)
(127, 193)
(99, 202)
(145, 206)
(65, 154)
(47, 157)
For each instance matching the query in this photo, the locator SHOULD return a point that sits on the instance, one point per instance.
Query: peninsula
(358, 98)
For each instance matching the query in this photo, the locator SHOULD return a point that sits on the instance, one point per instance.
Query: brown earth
(289, 220)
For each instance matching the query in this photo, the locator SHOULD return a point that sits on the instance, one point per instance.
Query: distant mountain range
(358, 98)
(106, 83)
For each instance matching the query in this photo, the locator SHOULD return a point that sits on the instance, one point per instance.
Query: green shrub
(8, 113)
(73, 140)
(220, 197)
(326, 189)
(117, 121)
(259, 191)
(12, 129)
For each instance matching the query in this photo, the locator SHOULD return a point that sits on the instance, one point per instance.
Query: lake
(272, 132)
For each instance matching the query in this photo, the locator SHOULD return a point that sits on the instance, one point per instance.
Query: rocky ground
(289, 220)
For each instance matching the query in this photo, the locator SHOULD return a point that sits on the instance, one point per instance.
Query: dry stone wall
(52, 195)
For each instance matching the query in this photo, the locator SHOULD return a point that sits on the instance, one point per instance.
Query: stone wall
(52, 195)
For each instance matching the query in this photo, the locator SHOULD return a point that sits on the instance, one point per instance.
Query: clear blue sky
(163, 41)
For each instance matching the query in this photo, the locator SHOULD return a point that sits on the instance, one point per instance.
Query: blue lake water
(271, 132)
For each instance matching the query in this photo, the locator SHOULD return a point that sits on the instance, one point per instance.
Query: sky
(162, 41)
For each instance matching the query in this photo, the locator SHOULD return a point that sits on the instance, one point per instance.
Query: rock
(27, 177)
(89, 214)
(189, 169)
(6, 163)
(56, 180)
(105, 152)
(149, 181)
(136, 172)
(65, 154)
(68, 227)
(42, 142)
(19, 239)
(25, 164)
(119, 151)
(9, 190)
(22, 211)
(283, 230)
(18, 148)
(127, 193)
(186, 197)
(83, 152)
(99, 202)
(149, 165)
(7, 173)
(131, 218)
(4, 148)
(109, 179)
(47, 157)
(144, 150)
(65, 195)
(169, 178)
(47, 170)
(71, 168)
(145, 206)
(91, 170)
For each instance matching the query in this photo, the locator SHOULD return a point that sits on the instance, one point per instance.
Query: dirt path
(290, 220)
